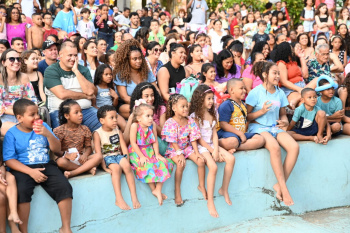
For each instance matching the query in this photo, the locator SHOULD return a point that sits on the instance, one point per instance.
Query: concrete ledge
(320, 180)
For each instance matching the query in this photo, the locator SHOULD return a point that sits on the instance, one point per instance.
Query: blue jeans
(108, 37)
(89, 119)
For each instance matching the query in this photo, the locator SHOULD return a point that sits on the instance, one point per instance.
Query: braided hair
(65, 109)
(172, 100)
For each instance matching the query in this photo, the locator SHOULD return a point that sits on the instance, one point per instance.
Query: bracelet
(179, 152)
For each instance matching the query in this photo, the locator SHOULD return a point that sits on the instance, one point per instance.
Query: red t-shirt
(49, 32)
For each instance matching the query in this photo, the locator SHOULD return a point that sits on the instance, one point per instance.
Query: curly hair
(197, 103)
(223, 55)
(173, 100)
(139, 110)
(137, 94)
(261, 67)
(259, 47)
(65, 109)
(25, 56)
(284, 53)
(122, 64)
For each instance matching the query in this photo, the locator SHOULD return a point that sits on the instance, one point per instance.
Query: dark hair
(102, 111)
(107, 55)
(225, 40)
(85, 10)
(317, 12)
(280, 12)
(20, 106)
(36, 14)
(16, 38)
(223, 55)
(259, 47)
(126, 9)
(212, 13)
(25, 56)
(205, 69)
(65, 109)
(313, 1)
(5, 43)
(47, 13)
(133, 14)
(306, 90)
(284, 52)
(342, 47)
(154, 21)
(84, 56)
(173, 99)
(263, 22)
(236, 46)
(54, 36)
(142, 34)
(173, 47)
(198, 35)
(268, 5)
(323, 82)
(169, 37)
(3, 70)
(253, 56)
(262, 67)
(150, 46)
(102, 5)
(189, 57)
(77, 41)
(308, 38)
(8, 15)
(347, 38)
(137, 94)
(99, 75)
(189, 34)
(161, 14)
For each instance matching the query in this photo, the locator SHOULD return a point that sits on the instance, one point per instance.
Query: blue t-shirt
(258, 96)
(331, 107)
(64, 21)
(131, 86)
(307, 116)
(28, 148)
(42, 66)
(233, 115)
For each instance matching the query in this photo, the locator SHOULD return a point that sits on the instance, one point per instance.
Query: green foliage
(295, 7)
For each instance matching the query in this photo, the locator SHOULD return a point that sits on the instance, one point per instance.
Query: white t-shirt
(123, 21)
(85, 29)
(28, 7)
(216, 43)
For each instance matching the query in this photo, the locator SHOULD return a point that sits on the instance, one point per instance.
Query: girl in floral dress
(181, 132)
(148, 165)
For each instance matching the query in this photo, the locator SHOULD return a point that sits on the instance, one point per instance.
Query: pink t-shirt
(256, 80)
(156, 116)
(3, 33)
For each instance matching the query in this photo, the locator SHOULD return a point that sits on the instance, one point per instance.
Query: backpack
(187, 86)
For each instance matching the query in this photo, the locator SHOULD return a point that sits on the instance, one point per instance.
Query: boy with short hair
(156, 34)
(233, 121)
(85, 26)
(56, 4)
(48, 29)
(309, 121)
(25, 149)
(17, 44)
(109, 142)
(260, 36)
(36, 32)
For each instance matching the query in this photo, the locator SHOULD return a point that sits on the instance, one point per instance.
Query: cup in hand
(37, 123)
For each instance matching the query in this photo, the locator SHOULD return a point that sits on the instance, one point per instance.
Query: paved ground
(335, 220)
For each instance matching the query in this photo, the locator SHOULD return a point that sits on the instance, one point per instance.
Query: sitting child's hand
(83, 159)
(143, 161)
(182, 160)
(282, 124)
(71, 156)
(2, 178)
(199, 156)
(159, 157)
(37, 175)
(339, 114)
(216, 155)
(243, 138)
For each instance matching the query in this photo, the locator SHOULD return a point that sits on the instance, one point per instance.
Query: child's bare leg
(230, 144)
(230, 163)
(116, 175)
(255, 142)
(23, 212)
(129, 176)
(335, 128)
(293, 99)
(66, 164)
(213, 168)
(300, 137)
(178, 177)
(201, 173)
(321, 120)
(3, 203)
(343, 95)
(65, 207)
(276, 162)
(158, 192)
(89, 165)
(11, 192)
(346, 128)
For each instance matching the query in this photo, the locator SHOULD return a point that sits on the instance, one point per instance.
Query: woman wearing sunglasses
(153, 51)
(14, 85)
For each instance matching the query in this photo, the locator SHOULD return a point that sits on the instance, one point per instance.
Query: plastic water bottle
(274, 130)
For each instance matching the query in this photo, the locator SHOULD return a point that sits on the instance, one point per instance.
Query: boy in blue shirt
(233, 121)
(25, 151)
(309, 121)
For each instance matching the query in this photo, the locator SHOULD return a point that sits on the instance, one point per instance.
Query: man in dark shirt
(50, 51)
(145, 19)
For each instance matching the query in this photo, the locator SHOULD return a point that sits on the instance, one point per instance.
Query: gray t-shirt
(199, 9)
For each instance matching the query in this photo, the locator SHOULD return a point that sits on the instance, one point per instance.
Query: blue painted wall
(320, 180)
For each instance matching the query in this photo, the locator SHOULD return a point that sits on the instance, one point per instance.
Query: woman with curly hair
(149, 94)
(130, 69)
(291, 75)
(226, 68)
(172, 72)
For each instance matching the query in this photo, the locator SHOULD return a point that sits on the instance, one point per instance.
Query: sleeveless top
(340, 55)
(323, 20)
(176, 75)
(294, 71)
(17, 31)
(110, 144)
(103, 97)
(35, 85)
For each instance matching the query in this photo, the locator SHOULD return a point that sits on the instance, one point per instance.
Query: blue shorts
(289, 91)
(113, 159)
(312, 130)
(257, 128)
(225, 134)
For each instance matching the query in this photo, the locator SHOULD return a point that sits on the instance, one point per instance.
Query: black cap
(47, 44)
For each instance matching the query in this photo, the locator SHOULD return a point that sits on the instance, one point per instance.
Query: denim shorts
(113, 159)
(225, 134)
(288, 91)
(257, 128)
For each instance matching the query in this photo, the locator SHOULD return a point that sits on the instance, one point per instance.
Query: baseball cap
(47, 44)
(73, 33)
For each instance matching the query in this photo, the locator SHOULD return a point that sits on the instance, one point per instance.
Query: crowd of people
(85, 85)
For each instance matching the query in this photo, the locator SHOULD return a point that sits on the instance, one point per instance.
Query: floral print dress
(154, 170)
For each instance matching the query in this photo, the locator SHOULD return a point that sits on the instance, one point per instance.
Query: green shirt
(160, 36)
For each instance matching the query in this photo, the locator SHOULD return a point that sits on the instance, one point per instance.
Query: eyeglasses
(15, 13)
(324, 54)
(157, 50)
(3, 13)
(13, 59)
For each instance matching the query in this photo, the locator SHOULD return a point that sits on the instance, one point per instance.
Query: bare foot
(158, 195)
(316, 139)
(65, 230)
(287, 199)
(67, 174)
(136, 204)
(178, 200)
(203, 191)
(226, 196)
(15, 218)
(277, 188)
(164, 196)
(232, 151)
(122, 205)
(93, 171)
(212, 209)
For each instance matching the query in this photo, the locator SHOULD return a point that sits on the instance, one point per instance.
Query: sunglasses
(13, 59)
(157, 50)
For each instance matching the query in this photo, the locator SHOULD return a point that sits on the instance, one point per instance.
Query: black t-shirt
(146, 21)
(102, 27)
(261, 38)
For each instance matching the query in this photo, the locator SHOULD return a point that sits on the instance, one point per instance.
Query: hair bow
(139, 102)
